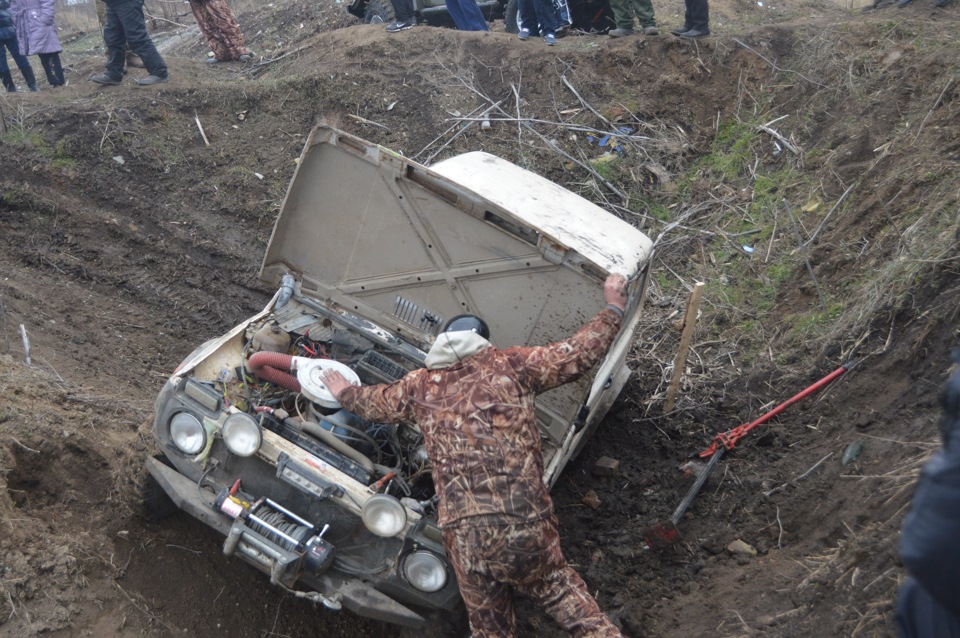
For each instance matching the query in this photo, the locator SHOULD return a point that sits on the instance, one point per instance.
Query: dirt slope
(127, 241)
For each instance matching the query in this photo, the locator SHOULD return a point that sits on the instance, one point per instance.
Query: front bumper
(354, 594)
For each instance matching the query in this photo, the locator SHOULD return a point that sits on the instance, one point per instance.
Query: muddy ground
(126, 240)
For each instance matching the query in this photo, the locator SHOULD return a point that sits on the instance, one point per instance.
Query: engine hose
(270, 366)
(316, 430)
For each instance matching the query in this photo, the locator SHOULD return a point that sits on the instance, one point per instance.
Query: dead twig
(28, 449)
(366, 121)
(806, 259)
(774, 64)
(813, 237)
(786, 143)
(458, 134)
(935, 105)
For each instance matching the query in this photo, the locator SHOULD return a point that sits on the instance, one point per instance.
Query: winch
(266, 533)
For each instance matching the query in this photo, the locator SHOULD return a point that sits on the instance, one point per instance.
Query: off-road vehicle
(370, 255)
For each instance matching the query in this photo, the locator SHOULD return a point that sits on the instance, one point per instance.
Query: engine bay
(389, 457)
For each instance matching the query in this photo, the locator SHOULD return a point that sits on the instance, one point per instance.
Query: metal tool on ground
(666, 533)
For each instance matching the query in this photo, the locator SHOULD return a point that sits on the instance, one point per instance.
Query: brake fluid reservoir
(271, 338)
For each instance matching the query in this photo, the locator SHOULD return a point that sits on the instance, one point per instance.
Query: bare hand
(615, 291)
(335, 382)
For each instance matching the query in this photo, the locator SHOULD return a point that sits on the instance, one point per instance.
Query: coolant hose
(270, 366)
(315, 429)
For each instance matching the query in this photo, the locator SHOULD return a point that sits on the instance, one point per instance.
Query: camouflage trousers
(219, 28)
(492, 562)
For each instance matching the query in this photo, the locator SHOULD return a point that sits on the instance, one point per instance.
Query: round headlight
(425, 571)
(242, 434)
(187, 433)
(384, 515)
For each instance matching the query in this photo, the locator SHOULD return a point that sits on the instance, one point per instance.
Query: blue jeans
(14, 47)
(538, 16)
(126, 25)
(466, 15)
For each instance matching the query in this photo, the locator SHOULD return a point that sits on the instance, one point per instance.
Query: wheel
(510, 17)
(154, 504)
(442, 624)
(379, 12)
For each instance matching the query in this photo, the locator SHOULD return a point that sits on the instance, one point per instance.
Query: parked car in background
(370, 255)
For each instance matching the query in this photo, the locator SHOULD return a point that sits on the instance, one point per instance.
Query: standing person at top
(474, 404)
(623, 12)
(132, 59)
(127, 24)
(538, 17)
(404, 14)
(8, 42)
(37, 34)
(467, 15)
(221, 31)
(696, 20)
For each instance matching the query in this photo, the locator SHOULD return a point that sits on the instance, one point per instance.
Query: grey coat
(36, 31)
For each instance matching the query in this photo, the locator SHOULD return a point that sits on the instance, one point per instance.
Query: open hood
(407, 247)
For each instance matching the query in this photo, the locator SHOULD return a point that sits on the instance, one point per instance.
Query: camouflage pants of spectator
(492, 562)
(219, 28)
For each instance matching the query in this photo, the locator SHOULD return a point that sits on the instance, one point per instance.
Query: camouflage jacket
(479, 425)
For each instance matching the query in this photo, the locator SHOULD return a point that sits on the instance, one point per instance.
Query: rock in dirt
(605, 466)
(591, 500)
(740, 547)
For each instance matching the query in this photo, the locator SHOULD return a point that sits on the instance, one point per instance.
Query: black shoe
(680, 30)
(398, 26)
(151, 79)
(904, 3)
(103, 78)
(695, 33)
(940, 3)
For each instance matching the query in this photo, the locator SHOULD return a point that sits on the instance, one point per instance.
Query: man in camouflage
(474, 404)
(221, 30)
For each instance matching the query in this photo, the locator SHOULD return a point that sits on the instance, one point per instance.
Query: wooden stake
(26, 343)
(200, 126)
(679, 363)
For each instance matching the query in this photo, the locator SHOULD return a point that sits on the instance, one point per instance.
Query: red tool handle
(729, 438)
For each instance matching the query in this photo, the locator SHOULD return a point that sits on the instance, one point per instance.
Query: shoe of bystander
(620, 32)
(398, 26)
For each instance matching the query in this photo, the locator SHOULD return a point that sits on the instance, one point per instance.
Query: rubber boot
(8, 82)
(30, 78)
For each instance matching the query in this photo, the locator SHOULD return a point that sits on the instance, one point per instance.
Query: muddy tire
(446, 624)
(379, 12)
(511, 22)
(154, 504)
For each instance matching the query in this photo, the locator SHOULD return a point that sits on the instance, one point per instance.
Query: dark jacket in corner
(930, 540)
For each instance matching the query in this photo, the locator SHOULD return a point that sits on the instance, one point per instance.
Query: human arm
(545, 367)
(385, 403)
